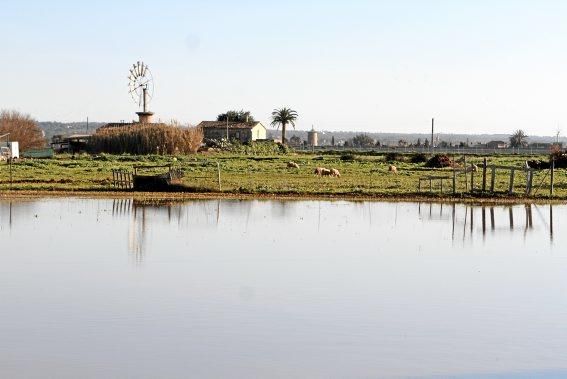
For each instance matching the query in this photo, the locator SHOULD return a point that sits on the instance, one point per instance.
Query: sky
(377, 66)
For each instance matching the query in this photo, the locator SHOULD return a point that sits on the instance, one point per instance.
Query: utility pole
(432, 129)
(226, 126)
(87, 125)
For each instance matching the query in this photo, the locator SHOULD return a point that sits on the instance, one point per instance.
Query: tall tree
(362, 140)
(236, 116)
(22, 128)
(283, 117)
(518, 139)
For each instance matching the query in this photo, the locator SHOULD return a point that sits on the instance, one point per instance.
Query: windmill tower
(141, 84)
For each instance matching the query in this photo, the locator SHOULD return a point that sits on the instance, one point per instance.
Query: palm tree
(283, 117)
(518, 139)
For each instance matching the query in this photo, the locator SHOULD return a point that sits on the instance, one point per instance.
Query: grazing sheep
(292, 165)
(393, 169)
(322, 171)
(335, 173)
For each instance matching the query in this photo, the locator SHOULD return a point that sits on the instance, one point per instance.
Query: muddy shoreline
(187, 196)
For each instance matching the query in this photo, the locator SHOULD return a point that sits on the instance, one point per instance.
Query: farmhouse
(496, 145)
(241, 131)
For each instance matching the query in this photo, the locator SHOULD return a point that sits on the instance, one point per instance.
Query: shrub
(560, 158)
(255, 148)
(348, 157)
(418, 158)
(392, 157)
(439, 161)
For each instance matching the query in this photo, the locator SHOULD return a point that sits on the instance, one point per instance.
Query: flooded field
(122, 289)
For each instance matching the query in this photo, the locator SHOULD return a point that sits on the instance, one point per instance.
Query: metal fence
(436, 150)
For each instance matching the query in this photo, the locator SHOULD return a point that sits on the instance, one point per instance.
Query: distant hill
(393, 138)
(51, 128)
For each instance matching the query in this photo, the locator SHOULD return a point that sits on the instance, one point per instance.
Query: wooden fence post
(552, 176)
(219, 179)
(472, 177)
(484, 175)
(493, 178)
(530, 176)
(454, 181)
(511, 186)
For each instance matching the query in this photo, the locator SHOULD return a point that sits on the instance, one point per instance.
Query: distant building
(497, 145)
(545, 145)
(75, 143)
(242, 131)
(312, 137)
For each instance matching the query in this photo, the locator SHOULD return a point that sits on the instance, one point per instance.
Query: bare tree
(519, 139)
(22, 128)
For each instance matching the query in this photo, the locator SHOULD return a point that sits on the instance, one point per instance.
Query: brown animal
(335, 173)
(393, 169)
(292, 165)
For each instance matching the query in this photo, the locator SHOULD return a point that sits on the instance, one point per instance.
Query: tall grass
(147, 139)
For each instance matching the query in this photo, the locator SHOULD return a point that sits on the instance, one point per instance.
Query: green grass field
(365, 175)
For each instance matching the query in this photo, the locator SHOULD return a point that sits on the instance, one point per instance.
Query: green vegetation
(259, 173)
(236, 116)
(282, 117)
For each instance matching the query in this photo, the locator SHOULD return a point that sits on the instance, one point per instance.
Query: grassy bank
(361, 175)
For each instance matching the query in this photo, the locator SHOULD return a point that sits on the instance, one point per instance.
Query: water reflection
(462, 223)
(499, 218)
(11, 211)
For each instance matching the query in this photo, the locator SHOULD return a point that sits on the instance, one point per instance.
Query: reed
(141, 139)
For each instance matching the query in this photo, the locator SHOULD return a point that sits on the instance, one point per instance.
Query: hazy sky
(476, 66)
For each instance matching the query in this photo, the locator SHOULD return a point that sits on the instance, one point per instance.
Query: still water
(255, 289)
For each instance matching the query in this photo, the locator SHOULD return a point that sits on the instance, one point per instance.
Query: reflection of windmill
(141, 84)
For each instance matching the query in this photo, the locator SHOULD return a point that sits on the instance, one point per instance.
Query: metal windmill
(141, 85)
